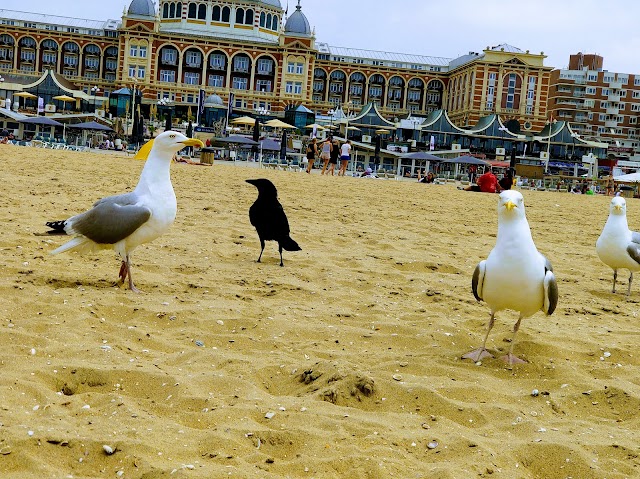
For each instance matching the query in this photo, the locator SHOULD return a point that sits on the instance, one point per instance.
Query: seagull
(618, 246)
(267, 216)
(515, 275)
(126, 221)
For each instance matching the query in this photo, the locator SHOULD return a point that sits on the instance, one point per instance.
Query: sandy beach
(343, 364)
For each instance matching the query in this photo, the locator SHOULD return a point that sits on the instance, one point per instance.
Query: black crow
(268, 217)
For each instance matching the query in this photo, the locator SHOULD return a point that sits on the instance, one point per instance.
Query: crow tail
(57, 227)
(289, 245)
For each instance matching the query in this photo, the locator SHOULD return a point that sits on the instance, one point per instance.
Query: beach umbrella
(314, 125)
(244, 120)
(235, 140)
(25, 94)
(275, 123)
(382, 131)
(468, 160)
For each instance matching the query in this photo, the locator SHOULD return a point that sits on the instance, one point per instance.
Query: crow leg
(615, 277)
(261, 249)
(280, 249)
(630, 280)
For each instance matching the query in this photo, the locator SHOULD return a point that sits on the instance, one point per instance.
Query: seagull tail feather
(79, 244)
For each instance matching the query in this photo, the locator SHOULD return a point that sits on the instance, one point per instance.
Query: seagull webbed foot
(512, 359)
(477, 355)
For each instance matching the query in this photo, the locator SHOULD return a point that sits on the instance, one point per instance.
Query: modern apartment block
(264, 58)
(600, 105)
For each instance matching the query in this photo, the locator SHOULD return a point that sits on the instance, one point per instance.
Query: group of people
(489, 183)
(329, 151)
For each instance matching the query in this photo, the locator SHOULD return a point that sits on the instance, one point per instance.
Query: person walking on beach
(325, 155)
(345, 156)
(333, 158)
(312, 151)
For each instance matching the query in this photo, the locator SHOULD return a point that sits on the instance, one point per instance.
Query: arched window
(172, 10)
(202, 12)
(275, 21)
(192, 10)
(6, 39)
(262, 19)
(319, 73)
(179, 10)
(248, 17)
(357, 77)
(215, 13)
(240, 16)
(226, 14)
(165, 10)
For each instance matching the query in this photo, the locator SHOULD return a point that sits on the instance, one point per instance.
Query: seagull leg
(509, 357)
(261, 250)
(132, 287)
(615, 277)
(282, 264)
(480, 353)
(630, 280)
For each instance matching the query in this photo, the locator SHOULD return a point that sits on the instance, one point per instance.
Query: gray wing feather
(122, 200)
(477, 281)
(551, 293)
(547, 264)
(635, 237)
(109, 222)
(634, 251)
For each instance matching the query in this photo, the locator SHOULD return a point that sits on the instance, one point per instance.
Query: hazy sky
(445, 28)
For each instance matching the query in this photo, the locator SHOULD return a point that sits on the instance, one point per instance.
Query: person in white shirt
(345, 156)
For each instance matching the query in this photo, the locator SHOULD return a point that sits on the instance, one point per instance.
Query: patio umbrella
(270, 144)
(275, 123)
(235, 140)
(41, 120)
(421, 155)
(468, 160)
(91, 125)
(64, 99)
(316, 126)
(382, 131)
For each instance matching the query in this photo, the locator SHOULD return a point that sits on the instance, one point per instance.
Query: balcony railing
(610, 123)
(613, 110)
(613, 97)
(617, 85)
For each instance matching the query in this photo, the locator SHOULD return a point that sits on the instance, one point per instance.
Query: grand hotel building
(267, 59)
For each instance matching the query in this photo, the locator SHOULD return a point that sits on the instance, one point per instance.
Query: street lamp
(261, 112)
(166, 103)
(347, 106)
(94, 91)
(331, 113)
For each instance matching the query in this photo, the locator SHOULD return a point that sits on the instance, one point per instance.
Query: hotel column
(405, 98)
(180, 60)
(203, 77)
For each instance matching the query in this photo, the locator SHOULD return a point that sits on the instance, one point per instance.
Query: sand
(352, 349)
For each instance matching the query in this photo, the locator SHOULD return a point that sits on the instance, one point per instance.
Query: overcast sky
(445, 28)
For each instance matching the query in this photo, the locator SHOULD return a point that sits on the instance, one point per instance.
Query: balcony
(613, 97)
(168, 61)
(264, 71)
(611, 123)
(613, 110)
(193, 65)
(616, 85)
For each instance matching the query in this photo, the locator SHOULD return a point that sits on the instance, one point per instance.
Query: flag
(230, 105)
(432, 143)
(201, 103)
(315, 131)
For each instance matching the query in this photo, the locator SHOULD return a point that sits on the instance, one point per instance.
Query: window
(48, 57)
(263, 85)
(590, 90)
(636, 81)
(263, 19)
(299, 68)
(335, 87)
(248, 17)
(92, 63)
(635, 94)
(70, 60)
(226, 14)
(602, 117)
(192, 12)
(141, 71)
(110, 65)
(216, 14)
(241, 64)
(265, 66)
(592, 77)
(193, 58)
(217, 61)
(289, 87)
(169, 56)
(606, 92)
(355, 89)
(413, 95)
(240, 83)
(239, 16)
(133, 51)
(168, 76)
(608, 78)
(318, 86)
(192, 78)
(291, 67)
(216, 80)
(202, 12)
(375, 91)
(143, 52)
(297, 88)
(132, 71)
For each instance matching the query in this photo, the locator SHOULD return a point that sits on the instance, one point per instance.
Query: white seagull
(619, 247)
(126, 221)
(515, 275)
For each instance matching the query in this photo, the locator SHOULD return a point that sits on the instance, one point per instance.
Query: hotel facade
(263, 58)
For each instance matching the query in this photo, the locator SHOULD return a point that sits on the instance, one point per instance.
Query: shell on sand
(381, 289)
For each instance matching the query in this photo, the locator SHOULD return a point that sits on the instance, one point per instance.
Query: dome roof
(213, 100)
(142, 7)
(297, 23)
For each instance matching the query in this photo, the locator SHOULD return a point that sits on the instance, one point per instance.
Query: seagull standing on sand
(515, 275)
(618, 246)
(126, 221)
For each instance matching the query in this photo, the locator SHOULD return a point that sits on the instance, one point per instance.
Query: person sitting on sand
(430, 178)
(487, 183)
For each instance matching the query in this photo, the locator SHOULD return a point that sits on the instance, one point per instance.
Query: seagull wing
(635, 237)
(111, 220)
(634, 251)
(550, 288)
(477, 282)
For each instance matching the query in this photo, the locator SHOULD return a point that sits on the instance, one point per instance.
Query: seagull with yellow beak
(126, 221)
(515, 275)
(618, 247)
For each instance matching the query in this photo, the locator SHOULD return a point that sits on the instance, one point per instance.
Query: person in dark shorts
(333, 158)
